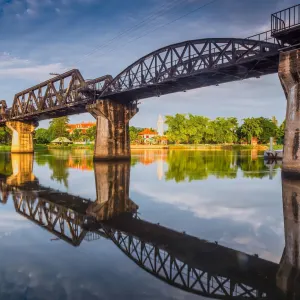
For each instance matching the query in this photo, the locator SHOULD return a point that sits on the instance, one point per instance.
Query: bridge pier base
(22, 136)
(112, 136)
(289, 75)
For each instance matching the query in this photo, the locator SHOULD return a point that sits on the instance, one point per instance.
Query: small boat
(273, 154)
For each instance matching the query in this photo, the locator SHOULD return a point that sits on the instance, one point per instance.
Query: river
(169, 225)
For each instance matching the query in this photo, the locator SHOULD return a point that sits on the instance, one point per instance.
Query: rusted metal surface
(64, 94)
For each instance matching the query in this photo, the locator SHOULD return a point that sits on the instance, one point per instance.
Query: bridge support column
(289, 74)
(289, 269)
(22, 136)
(112, 137)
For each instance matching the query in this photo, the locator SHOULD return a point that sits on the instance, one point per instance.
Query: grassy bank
(69, 147)
(219, 147)
(140, 147)
(4, 148)
(133, 147)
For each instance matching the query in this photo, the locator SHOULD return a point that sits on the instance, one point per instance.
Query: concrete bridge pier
(112, 137)
(289, 74)
(22, 136)
(288, 275)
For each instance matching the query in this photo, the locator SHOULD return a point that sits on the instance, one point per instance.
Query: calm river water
(169, 225)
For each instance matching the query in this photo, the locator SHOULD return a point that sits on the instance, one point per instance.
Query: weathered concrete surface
(289, 67)
(112, 137)
(112, 188)
(22, 136)
(288, 276)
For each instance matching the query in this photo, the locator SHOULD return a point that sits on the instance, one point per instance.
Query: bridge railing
(265, 36)
(285, 19)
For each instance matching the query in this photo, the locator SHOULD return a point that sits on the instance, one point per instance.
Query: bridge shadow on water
(181, 260)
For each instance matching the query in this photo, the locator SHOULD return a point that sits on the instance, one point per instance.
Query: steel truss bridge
(179, 67)
(181, 260)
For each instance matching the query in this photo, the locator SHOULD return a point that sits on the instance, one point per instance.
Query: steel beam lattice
(164, 68)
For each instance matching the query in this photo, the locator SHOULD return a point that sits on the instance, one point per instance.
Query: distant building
(83, 126)
(148, 134)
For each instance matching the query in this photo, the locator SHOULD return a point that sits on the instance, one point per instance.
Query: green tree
(178, 129)
(134, 134)
(250, 128)
(268, 129)
(76, 135)
(222, 130)
(58, 127)
(197, 128)
(42, 136)
(280, 133)
(5, 136)
(91, 133)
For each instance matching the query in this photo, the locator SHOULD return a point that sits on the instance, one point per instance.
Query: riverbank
(149, 147)
(203, 147)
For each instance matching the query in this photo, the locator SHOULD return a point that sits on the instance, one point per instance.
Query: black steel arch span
(193, 64)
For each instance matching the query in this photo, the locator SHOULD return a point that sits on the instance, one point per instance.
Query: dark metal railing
(285, 19)
(264, 37)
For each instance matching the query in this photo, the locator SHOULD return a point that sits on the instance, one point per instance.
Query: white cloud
(37, 72)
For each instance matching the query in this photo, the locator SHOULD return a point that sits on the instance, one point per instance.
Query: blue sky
(42, 36)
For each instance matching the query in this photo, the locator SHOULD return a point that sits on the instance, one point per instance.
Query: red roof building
(84, 126)
(148, 133)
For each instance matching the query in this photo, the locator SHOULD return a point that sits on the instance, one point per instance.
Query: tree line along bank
(182, 129)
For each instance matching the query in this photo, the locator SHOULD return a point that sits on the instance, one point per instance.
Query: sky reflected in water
(230, 199)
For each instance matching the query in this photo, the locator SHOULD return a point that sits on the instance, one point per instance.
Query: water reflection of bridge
(179, 259)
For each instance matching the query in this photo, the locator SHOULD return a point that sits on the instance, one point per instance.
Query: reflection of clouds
(10, 221)
(207, 208)
(242, 214)
(48, 279)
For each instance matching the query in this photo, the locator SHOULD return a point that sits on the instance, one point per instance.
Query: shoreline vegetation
(197, 147)
(185, 131)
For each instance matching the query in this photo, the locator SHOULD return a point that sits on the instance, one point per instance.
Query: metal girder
(54, 93)
(64, 94)
(187, 60)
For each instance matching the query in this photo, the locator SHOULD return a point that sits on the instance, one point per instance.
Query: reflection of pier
(181, 260)
(271, 164)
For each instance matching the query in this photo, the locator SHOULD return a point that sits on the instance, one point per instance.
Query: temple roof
(147, 131)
